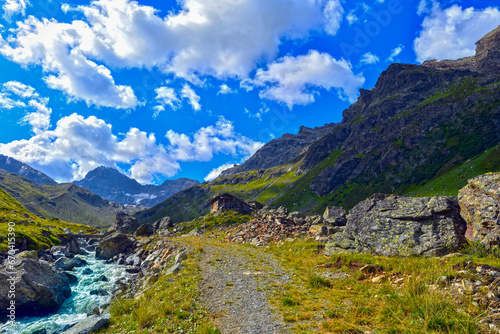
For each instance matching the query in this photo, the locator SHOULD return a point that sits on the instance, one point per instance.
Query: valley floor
(294, 287)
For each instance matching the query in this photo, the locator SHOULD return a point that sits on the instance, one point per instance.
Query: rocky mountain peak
(485, 61)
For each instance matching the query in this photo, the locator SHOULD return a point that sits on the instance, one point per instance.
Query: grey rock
(402, 226)
(79, 262)
(480, 204)
(335, 216)
(124, 223)
(40, 287)
(88, 325)
(64, 263)
(163, 224)
(144, 230)
(87, 271)
(174, 269)
(99, 292)
(113, 245)
(72, 278)
(180, 257)
(28, 255)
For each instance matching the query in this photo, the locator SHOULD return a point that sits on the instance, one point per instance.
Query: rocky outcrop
(145, 230)
(335, 216)
(163, 224)
(281, 150)
(486, 60)
(114, 245)
(124, 223)
(480, 204)
(402, 226)
(39, 287)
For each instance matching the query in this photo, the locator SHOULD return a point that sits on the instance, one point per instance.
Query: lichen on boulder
(480, 204)
(402, 226)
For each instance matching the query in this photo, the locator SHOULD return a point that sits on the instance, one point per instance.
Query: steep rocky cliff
(420, 125)
(281, 150)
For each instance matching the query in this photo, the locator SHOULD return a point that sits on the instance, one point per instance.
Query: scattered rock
(72, 278)
(379, 279)
(180, 257)
(113, 245)
(335, 216)
(64, 263)
(99, 292)
(88, 325)
(87, 271)
(28, 255)
(40, 288)
(163, 224)
(124, 223)
(402, 226)
(145, 230)
(174, 269)
(267, 226)
(480, 204)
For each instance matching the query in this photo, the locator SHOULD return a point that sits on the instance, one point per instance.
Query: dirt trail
(236, 282)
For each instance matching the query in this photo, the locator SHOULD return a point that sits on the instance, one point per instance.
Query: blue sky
(168, 89)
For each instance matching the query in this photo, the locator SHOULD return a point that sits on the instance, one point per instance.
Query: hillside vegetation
(67, 201)
(31, 231)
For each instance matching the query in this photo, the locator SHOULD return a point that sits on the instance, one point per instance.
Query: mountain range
(14, 166)
(420, 126)
(74, 202)
(114, 186)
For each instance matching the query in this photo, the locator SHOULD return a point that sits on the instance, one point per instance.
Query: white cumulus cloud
(295, 80)
(15, 94)
(193, 98)
(396, 52)
(223, 39)
(166, 96)
(214, 173)
(225, 89)
(211, 140)
(78, 144)
(452, 33)
(13, 7)
(54, 46)
(369, 58)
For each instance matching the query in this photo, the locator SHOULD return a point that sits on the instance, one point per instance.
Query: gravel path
(235, 285)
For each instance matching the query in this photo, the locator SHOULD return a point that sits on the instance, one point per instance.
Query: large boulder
(145, 230)
(163, 224)
(335, 216)
(88, 325)
(39, 287)
(113, 245)
(480, 204)
(124, 223)
(402, 226)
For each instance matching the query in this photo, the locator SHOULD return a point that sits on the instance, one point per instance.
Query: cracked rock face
(39, 287)
(480, 204)
(402, 226)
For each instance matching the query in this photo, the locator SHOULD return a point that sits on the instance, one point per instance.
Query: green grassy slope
(36, 232)
(67, 202)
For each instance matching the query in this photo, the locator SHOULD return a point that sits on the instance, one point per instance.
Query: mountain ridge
(111, 184)
(14, 166)
(417, 124)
